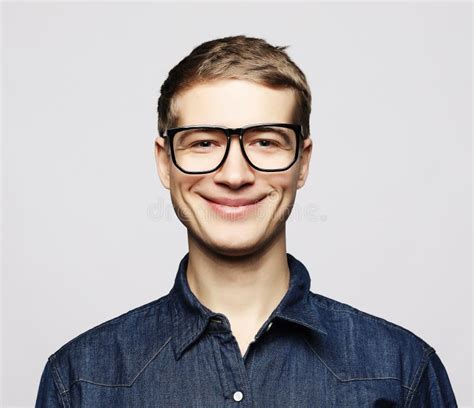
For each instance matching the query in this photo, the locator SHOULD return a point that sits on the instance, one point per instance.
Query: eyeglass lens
(202, 149)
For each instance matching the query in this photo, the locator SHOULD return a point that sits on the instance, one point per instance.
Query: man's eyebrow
(280, 130)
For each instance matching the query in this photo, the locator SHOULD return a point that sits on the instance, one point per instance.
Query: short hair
(235, 57)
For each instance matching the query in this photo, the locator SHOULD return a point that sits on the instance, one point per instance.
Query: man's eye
(203, 143)
(265, 143)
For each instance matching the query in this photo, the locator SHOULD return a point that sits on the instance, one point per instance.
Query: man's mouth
(234, 208)
(234, 202)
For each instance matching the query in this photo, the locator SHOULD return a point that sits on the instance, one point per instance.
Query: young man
(240, 326)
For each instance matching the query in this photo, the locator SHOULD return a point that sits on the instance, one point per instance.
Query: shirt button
(238, 396)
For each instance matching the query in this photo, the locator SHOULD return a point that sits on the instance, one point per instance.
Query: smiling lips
(234, 202)
(236, 208)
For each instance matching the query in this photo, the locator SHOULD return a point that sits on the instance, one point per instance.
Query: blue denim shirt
(312, 351)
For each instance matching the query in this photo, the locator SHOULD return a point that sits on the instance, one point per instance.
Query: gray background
(383, 223)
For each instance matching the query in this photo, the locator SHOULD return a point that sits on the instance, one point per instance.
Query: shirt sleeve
(433, 389)
(48, 394)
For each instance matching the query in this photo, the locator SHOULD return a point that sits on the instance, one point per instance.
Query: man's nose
(235, 171)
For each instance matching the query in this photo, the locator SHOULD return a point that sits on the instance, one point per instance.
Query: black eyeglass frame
(298, 129)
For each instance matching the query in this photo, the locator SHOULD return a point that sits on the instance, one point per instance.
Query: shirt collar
(190, 317)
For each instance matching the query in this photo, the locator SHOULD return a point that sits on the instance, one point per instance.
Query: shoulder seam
(357, 312)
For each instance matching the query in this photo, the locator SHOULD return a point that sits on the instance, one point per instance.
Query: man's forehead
(234, 102)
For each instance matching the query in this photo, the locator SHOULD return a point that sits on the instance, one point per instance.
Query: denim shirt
(312, 351)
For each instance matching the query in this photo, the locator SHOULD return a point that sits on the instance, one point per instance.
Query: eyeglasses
(203, 149)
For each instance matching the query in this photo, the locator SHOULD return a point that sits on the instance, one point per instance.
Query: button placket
(231, 369)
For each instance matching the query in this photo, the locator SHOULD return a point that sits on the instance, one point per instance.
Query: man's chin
(233, 250)
(229, 244)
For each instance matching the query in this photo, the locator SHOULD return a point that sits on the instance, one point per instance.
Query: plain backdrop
(383, 223)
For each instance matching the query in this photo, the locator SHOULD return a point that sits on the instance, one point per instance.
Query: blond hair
(236, 57)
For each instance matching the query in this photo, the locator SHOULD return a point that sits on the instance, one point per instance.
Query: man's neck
(246, 289)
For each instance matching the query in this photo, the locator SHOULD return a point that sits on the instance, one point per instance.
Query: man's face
(233, 230)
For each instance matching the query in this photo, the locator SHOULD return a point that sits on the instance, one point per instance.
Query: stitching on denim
(350, 379)
(217, 352)
(240, 364)
(61, 386)
(418, 375)
(176, 323)
(64, 399)
(121, 385)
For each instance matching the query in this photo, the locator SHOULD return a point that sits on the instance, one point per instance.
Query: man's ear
(163, 161)
(305, 157)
